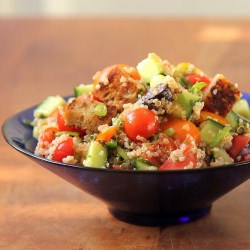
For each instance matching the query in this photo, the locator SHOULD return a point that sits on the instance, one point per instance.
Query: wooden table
(38, 210)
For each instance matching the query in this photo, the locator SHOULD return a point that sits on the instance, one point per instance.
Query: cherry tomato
(171, 165)
(48, 134)
(194, 78)
(239, 142)
(181, 128)
(63, 127)
(64, 149)
(140, 122)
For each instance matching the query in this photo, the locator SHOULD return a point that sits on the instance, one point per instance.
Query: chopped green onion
(27, 122)
(117, 121)
(70, 133)
(197, 86)
(100, 109)
(122, 153)
(111, 144)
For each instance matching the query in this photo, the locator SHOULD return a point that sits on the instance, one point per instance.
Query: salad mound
(155, 116)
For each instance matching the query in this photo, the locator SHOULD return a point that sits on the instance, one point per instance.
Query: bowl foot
(159, 219)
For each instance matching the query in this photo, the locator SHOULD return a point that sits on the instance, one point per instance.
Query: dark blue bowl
(140, 197)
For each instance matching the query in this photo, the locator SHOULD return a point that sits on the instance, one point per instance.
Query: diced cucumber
(70, 133)
(83, 89)
(242, 108)
(236, 119)
(185, 103)
(142, 164)
(213, 132)
(96, 156)
(221, 155)
(221, 134)
(233, 119)
(152, 65)
(48, 106)
(35, 132)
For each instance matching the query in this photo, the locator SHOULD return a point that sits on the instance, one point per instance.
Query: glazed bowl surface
(140, 197)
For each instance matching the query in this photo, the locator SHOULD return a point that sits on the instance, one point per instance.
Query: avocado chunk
(96, 156)
(48, 106)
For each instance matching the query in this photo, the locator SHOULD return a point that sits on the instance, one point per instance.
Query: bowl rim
(17, 115)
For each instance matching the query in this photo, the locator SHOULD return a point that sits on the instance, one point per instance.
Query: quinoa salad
(153, 116)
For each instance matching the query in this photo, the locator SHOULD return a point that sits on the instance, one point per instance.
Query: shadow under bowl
(152, 198)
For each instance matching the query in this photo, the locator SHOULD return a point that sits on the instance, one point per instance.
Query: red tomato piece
(171, 165)
(48, 134)
(246, 157)
(239, 142)
(164, 144)
(63, 127)
(64, 149)
(194, 78)
(190, 157)
(140, 122)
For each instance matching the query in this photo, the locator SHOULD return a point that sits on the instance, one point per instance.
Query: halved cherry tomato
(190, 156)
(181, 128)
(194, 78)
(64, 149)
(140, 122)
(107, 134)
(63, 127)
(101, 76)
(48, 135)
(171, 165)
(239, 142)
(204, 115)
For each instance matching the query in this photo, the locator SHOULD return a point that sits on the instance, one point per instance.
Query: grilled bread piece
(80, 114)
(118, 87)
(220, 95)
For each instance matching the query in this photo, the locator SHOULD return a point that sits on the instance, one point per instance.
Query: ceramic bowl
(150, 198)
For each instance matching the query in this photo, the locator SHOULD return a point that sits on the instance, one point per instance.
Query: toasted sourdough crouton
(80, 114)
(118, 87)
(220, 95)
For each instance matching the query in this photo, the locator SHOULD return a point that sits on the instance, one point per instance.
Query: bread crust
(118, 88)
(80, 114)
(220, 95)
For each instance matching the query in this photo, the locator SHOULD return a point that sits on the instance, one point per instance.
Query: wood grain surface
(41, 57)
